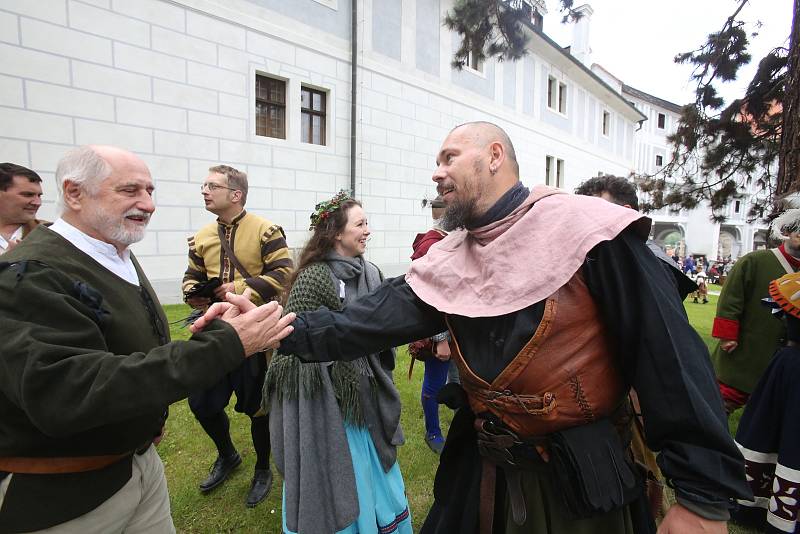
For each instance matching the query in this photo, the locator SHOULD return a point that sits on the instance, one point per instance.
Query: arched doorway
(670, 237)
(730, 242)
(759, 240)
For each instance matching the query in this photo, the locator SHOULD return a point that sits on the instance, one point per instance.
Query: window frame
(661, 121)
(552, 87)
(659, 160)
(283, 105)
(479, 66)
(554, 172)
(605, 124)
(556, 95)
(560, 172)
(314, 113)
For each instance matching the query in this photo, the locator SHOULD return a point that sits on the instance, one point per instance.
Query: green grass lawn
(188, 454)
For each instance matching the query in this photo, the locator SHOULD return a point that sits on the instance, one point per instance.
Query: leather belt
(58, 465)
(501, 448)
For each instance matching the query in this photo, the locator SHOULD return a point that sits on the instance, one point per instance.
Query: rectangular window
(556, 95)
(562, 98)
(474, 60)
(553, 171)
(606, 123)
(662, 120)
(270, 107)
(737, 206)
(313, 115)
(559, 173)
(659, 161)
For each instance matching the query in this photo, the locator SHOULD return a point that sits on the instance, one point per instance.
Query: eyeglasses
(213, 187)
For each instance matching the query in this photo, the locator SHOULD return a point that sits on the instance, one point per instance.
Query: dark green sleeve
(313, 288)
(734, 293)
(53, 348)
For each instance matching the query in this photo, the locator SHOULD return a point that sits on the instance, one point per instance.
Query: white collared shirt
(103, 253)
(16, 236)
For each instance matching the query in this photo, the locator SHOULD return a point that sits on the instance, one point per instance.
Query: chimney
(580, 35)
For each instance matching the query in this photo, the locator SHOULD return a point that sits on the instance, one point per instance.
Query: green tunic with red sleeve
(742, 317)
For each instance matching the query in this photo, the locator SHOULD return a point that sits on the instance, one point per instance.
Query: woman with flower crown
(335, 427)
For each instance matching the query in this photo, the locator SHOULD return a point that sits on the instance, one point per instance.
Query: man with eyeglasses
(237, 251)
(86, 367)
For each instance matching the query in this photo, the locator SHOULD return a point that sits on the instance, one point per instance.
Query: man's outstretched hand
(259, 327)
(232, 307)
(680, 520)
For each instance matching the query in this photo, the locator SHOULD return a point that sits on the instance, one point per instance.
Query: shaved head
(483, 133)
(475, 166)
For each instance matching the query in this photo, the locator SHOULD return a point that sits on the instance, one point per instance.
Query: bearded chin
(458, 215)
(116, 230)
(126, 236)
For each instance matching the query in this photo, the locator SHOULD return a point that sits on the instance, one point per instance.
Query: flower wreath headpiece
(324, 209)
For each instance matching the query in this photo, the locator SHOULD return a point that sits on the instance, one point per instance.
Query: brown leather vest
(565, 375)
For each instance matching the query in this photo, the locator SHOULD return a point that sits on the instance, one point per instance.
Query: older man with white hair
(87, 370)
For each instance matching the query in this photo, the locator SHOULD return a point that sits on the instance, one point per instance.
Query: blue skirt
(382, 503)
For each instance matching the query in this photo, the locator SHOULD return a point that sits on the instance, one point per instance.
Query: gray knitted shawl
(309, 404)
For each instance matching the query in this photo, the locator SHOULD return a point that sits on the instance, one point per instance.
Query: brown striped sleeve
(196, 271)
(277, 264)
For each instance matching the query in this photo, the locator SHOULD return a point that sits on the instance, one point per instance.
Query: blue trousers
(435, 377)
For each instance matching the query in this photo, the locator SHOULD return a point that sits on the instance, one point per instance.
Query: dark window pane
(277, 122)
(316, 123)
(305, 124)
(261, 125)
(277, 92)
(270, 107)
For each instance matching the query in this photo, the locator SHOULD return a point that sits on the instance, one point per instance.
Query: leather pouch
(591, 471)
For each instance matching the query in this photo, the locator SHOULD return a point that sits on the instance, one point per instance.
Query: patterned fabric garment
(769, 438)
(259, 245)
(776, 489)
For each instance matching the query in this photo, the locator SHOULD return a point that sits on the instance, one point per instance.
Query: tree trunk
(789, 155)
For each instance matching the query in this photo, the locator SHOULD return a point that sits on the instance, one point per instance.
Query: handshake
(259, 327)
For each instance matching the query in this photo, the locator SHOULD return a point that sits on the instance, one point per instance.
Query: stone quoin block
(110, 80)
(108, 24)
(133, 138)
(64, 41)
(36, 126)
(66, 101)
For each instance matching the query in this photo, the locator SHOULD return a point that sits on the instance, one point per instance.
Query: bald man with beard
(533, 286)
(87, 369)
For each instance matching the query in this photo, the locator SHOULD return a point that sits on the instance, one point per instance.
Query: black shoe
(221, 470)
(259, 487)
